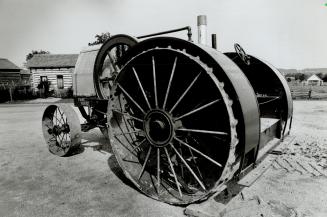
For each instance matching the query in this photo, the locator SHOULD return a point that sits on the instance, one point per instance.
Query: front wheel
(61, 129)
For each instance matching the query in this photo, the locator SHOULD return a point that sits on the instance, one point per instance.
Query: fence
(309, 92)
(11, 92)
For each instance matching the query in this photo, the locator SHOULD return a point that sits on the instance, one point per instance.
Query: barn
(314, 80)
(55, 68)
(9, 72)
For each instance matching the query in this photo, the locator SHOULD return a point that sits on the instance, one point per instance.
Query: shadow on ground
(96, 141)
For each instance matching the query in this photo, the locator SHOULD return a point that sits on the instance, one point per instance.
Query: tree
(299, 76)
(100, 39)
(324, 78)
(33, 52)
(302, 77)
(320, 75)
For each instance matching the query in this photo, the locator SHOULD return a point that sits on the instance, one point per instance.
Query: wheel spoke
(199, 152)
(62, 117)
(173, 171)
(48, 126)
(143, 141)
(124, 146)
(54, 115)
(128, 129)
(59, 140)
(128, 115)
(185, 92)
(62, 139)
(196, 110)
(66, 138)
(188, 167)
(123, 133)
(194, 161)
(129, 132)
(53, 138)
(158, 167)
(202, 131)
(112, 61)
(145, 161)
(169, 84)
(104, 79)
(181, 165)
(135, 103)
(154, 82)
(141, 87)
(57, 121)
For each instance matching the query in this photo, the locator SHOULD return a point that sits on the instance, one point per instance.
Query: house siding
(9, 77)
(52, 74)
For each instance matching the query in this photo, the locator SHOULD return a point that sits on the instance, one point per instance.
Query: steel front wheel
(171, 125)
(61, 129)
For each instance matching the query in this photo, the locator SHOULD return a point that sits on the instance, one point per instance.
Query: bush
(44, 87)
(18, 93)
(63, 93)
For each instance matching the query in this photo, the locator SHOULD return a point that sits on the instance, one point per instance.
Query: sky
(288, 34)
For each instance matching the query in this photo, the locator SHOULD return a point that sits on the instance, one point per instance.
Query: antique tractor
(182, 118)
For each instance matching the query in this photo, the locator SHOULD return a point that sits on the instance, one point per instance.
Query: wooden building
(9, 72)
(314, 80)
(56, 68)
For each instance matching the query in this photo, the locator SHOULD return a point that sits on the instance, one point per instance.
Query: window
(60, 82)
(43, 78)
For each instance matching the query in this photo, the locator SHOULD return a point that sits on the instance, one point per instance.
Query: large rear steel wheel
(171, 125)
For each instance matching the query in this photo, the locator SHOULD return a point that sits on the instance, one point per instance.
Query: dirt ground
(296, 182)
(34, 182)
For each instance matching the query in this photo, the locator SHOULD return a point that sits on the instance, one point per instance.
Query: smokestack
(202, 29)
(214, 41)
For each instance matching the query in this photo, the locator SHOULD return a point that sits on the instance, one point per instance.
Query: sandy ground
(296, 182)
(34, 182)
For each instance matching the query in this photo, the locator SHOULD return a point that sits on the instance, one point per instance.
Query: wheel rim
(107, 64)
(161, 139)
(241, 53)
(59, 130)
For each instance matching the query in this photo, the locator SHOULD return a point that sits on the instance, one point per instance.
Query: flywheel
(107, 64)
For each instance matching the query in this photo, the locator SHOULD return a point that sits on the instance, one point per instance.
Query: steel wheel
(171, 141)
(107, 64)
(61, 129)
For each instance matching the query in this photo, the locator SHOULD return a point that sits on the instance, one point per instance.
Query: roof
(314, 78)
(24, 72)
(5, 64)
(91, 48)
(52, 61)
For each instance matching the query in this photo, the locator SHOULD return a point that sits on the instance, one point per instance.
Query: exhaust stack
(202, 29)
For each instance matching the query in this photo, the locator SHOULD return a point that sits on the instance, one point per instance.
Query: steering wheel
(241, 53)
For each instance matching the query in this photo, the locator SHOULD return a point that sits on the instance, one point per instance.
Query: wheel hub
(57, 130)
(158, 128)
